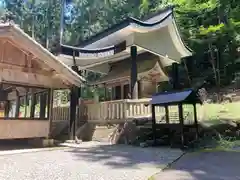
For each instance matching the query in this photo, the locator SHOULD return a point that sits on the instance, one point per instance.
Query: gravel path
(87, 161)
(204, 166)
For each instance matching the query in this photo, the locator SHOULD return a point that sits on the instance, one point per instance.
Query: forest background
(211, 28)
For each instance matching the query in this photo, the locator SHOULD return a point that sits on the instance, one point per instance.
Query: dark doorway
(139, 89)
(118, 92)
(126, 91)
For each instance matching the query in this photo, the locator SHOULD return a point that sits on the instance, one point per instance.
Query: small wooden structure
(178, 98)
(28, 76)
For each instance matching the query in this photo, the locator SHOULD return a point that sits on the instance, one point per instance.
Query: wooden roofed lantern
(177, 98)
(132, 55)
(28, 75)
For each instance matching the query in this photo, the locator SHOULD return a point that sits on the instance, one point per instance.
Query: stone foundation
(124, 133)
(40, 143)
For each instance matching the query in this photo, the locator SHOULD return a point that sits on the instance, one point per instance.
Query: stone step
(102, 133)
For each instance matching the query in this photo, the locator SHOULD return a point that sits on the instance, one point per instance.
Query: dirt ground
(85, 161)
(204, 166)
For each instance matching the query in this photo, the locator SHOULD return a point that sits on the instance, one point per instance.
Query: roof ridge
(122, 23)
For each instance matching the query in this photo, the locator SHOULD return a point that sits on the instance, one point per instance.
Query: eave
(28, 45)
(160, 29)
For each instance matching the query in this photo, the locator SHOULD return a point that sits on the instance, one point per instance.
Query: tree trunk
(211, 59)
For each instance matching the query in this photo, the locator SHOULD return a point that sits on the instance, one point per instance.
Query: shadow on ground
(15, 144)
(123, 156)
(204, 166)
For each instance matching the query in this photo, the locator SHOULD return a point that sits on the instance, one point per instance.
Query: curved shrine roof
(157, 34)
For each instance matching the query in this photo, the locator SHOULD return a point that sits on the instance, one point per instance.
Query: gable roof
(12, 31)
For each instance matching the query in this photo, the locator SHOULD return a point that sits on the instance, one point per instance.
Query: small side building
(28, 75)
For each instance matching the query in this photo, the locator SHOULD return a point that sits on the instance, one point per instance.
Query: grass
(208, 112)
(229, 111)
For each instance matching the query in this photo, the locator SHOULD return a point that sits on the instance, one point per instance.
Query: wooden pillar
(134, 84)
(79, 101)
(74, 96)
(154, 124)
(105, 92)
(43, 103)
(50, 110)
(48, 102)
(80, 88)
(33, 103)
(195, 120)
(166, 114)
(6, 108)
(73, 110)
(25, 104)
(96, 95)
(122, 91)
(180, 111)
(17, 105)
(113, 93)
(175, 76)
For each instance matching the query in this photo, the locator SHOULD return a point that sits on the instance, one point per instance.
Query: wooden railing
(61, 113)
(137, 108)
(118, 110)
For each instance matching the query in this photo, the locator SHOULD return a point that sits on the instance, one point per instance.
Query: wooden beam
(44, 57)
(11, 42)
(4, 33)
(15, 45)
(30, 79)
(4, 65)
(2, 50)
(28, 61)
